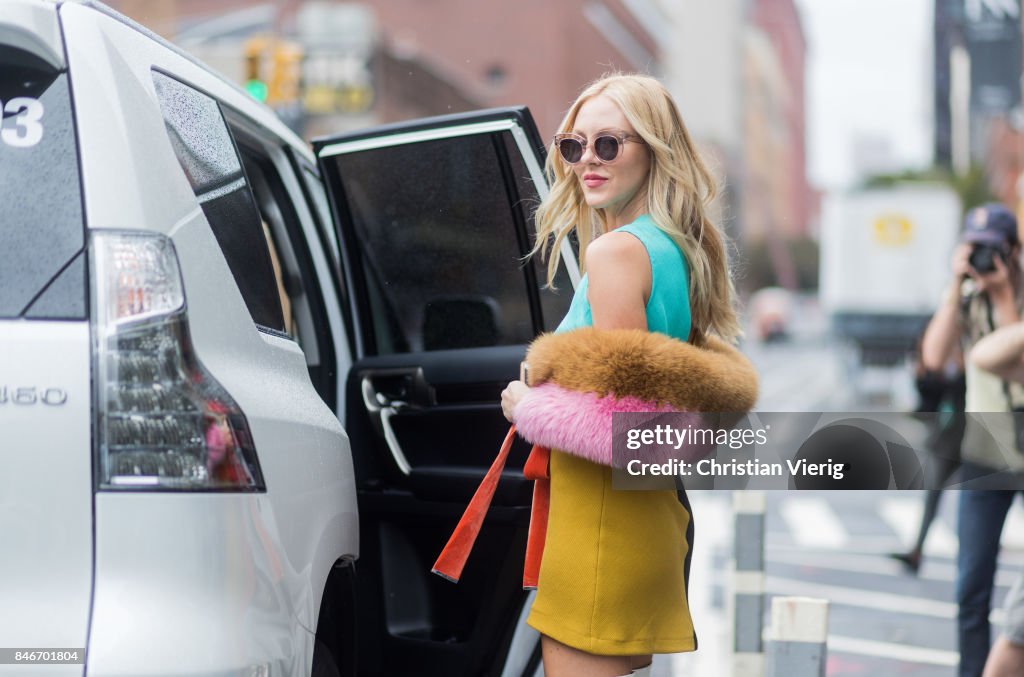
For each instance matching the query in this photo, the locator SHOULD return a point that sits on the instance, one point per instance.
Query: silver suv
(246, 389)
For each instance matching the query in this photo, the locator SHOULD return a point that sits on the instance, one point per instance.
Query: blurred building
(703, 64)
(946, 35)
(426, 58)
(736, 68)
(1005, 162)
(169, 17)
(737, 71)
(531, 52)
(873, 154)
(983, 38)
(703, 68)
(777, 36)
(767, 206)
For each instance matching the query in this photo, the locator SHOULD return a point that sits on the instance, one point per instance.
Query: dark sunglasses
(607, 146)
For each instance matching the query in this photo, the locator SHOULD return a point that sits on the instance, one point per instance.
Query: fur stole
(579, 379)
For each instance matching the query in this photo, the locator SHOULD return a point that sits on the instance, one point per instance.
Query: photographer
(984, 295)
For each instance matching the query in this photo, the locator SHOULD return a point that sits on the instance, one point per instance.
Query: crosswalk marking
(813, 523)
(879, 564)
(900, 652)
(903, 515)
(868, 599)
(810, 530)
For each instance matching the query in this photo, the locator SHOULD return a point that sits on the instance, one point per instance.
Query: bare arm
(1002, 352)
(1000, 290)
(943, 332)
(619, 273)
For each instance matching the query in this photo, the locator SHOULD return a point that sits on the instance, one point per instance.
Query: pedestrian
(627, 178)
(1002, 353)
(984, 294)
(941, 398)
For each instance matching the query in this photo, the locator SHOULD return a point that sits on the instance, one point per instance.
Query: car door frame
(519, 650)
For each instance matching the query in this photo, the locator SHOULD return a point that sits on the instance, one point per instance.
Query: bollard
(748, 584)
(797, 637)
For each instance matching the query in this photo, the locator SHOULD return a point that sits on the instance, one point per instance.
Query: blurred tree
(806, 255)
(755, 269)
(972, 188)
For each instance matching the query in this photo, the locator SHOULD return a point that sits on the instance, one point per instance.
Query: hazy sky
(868, 71)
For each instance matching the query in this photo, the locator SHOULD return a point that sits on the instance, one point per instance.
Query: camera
(983, 257)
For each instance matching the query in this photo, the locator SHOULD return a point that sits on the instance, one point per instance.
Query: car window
(439, 253)
(554, 301)
(207, 154)
(42, 236)
(275, 208)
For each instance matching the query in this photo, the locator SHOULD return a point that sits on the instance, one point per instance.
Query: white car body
(288, 538)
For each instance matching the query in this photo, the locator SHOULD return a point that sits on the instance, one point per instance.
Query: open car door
(434, 219)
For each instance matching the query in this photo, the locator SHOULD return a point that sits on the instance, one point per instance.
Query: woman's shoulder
(619, 268)
(662, 248)
(615, 250)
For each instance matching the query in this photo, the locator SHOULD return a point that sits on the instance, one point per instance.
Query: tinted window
(439, 249)
(554, 302)
(297, 283)
(42, 230)
(207, 154)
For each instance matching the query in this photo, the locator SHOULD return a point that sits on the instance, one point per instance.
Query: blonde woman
(627, 178)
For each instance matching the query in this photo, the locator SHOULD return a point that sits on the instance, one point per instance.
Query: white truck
(885, 258)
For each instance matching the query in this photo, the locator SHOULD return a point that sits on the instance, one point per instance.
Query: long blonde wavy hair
(680, 190)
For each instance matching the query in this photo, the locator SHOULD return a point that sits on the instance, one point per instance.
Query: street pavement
(835, 545)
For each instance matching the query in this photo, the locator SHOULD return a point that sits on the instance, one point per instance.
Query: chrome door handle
(382, 408)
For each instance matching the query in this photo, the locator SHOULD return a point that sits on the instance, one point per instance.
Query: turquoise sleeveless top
(668, 308)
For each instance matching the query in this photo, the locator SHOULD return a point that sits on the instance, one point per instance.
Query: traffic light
(255, 85)
(273, 70)
(285, 74)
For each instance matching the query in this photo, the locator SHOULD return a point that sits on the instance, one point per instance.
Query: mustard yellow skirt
(614, 572)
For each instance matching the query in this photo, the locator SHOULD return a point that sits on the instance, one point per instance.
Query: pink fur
(575, 422)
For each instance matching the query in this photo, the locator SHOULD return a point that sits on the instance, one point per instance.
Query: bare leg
(1005, 660)
(642, 666)
(641, 661)
(564, 661)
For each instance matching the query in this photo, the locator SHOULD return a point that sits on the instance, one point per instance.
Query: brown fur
(712, 377)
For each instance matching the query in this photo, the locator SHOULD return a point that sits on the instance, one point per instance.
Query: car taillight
(162, 420)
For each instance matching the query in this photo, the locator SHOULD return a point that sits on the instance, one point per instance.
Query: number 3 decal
(28, 122)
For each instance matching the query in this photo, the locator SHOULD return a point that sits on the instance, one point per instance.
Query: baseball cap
(991, 223)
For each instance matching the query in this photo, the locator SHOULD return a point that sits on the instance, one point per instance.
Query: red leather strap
(453, 557)
(537, 464)
(537, 468)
